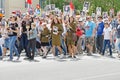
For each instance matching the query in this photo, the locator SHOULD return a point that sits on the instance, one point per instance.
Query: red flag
(29, 1)
(71, 6)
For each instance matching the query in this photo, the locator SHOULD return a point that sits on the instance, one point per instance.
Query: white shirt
(49, 26)
(65, 30)
(107, 33)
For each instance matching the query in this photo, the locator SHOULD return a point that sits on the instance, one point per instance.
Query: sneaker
(74, 57)
(10, 60)
(69, 56)
(26, 58)
(56, 57)
(44, 57)
(32, 59)
(18, 57)
(118, 55)
(61, 56)
(111, 56)
(89, 54)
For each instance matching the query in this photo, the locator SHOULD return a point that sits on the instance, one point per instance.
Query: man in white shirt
(107, 38)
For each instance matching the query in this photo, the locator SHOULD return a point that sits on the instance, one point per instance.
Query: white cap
(80, 19)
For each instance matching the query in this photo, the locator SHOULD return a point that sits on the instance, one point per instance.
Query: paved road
(85, 68)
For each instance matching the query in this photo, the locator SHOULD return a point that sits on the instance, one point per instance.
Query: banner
(111, 12)
(66, 9)
(98, 11)
(105, 15)
(86, 6)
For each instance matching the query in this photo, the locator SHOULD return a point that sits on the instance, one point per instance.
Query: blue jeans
(64, 46)
(6, 44)
(99, 42)
(23, 43)
(13, 47)
(107, 42)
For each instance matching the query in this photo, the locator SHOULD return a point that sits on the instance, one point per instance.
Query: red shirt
(79, 32)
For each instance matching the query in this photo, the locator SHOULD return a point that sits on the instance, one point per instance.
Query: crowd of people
(63, 36)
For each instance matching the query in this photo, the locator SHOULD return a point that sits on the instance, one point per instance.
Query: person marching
(32, 34)
(45, 34)
(56, 34)
(89, 35)
(71, 29)
(107, 38)
(13, 30)
(80, 32)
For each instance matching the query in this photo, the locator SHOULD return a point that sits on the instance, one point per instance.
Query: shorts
(89, 41)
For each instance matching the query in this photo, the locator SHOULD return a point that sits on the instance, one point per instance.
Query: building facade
(8, 6)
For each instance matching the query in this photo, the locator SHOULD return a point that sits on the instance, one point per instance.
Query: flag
(29, 1)
(71, 5)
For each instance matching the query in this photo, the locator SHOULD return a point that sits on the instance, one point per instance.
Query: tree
(106, 5)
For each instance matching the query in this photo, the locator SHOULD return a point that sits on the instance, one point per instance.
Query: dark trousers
(99, 43)
(107, 42)
(23, 43)
(31, 48)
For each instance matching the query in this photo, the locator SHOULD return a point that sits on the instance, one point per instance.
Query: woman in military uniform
(56, 34)
(70, 37)
(45, 34)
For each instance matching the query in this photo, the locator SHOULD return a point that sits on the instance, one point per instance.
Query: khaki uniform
(56, 33)
(45, 35)
(70, 39)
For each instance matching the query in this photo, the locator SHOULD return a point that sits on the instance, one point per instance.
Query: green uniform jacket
(56, 38)
(45, 34)
(71, 34)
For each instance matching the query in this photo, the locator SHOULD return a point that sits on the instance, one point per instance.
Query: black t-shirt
(24, 29)
(13, 26)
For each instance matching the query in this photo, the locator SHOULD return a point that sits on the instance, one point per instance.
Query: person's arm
(16, 31)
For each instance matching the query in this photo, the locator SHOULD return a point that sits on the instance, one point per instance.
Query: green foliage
(106, 5)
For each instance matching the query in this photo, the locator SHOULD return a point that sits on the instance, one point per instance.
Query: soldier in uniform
(70, 37)
(56, 34)
(45, 34)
